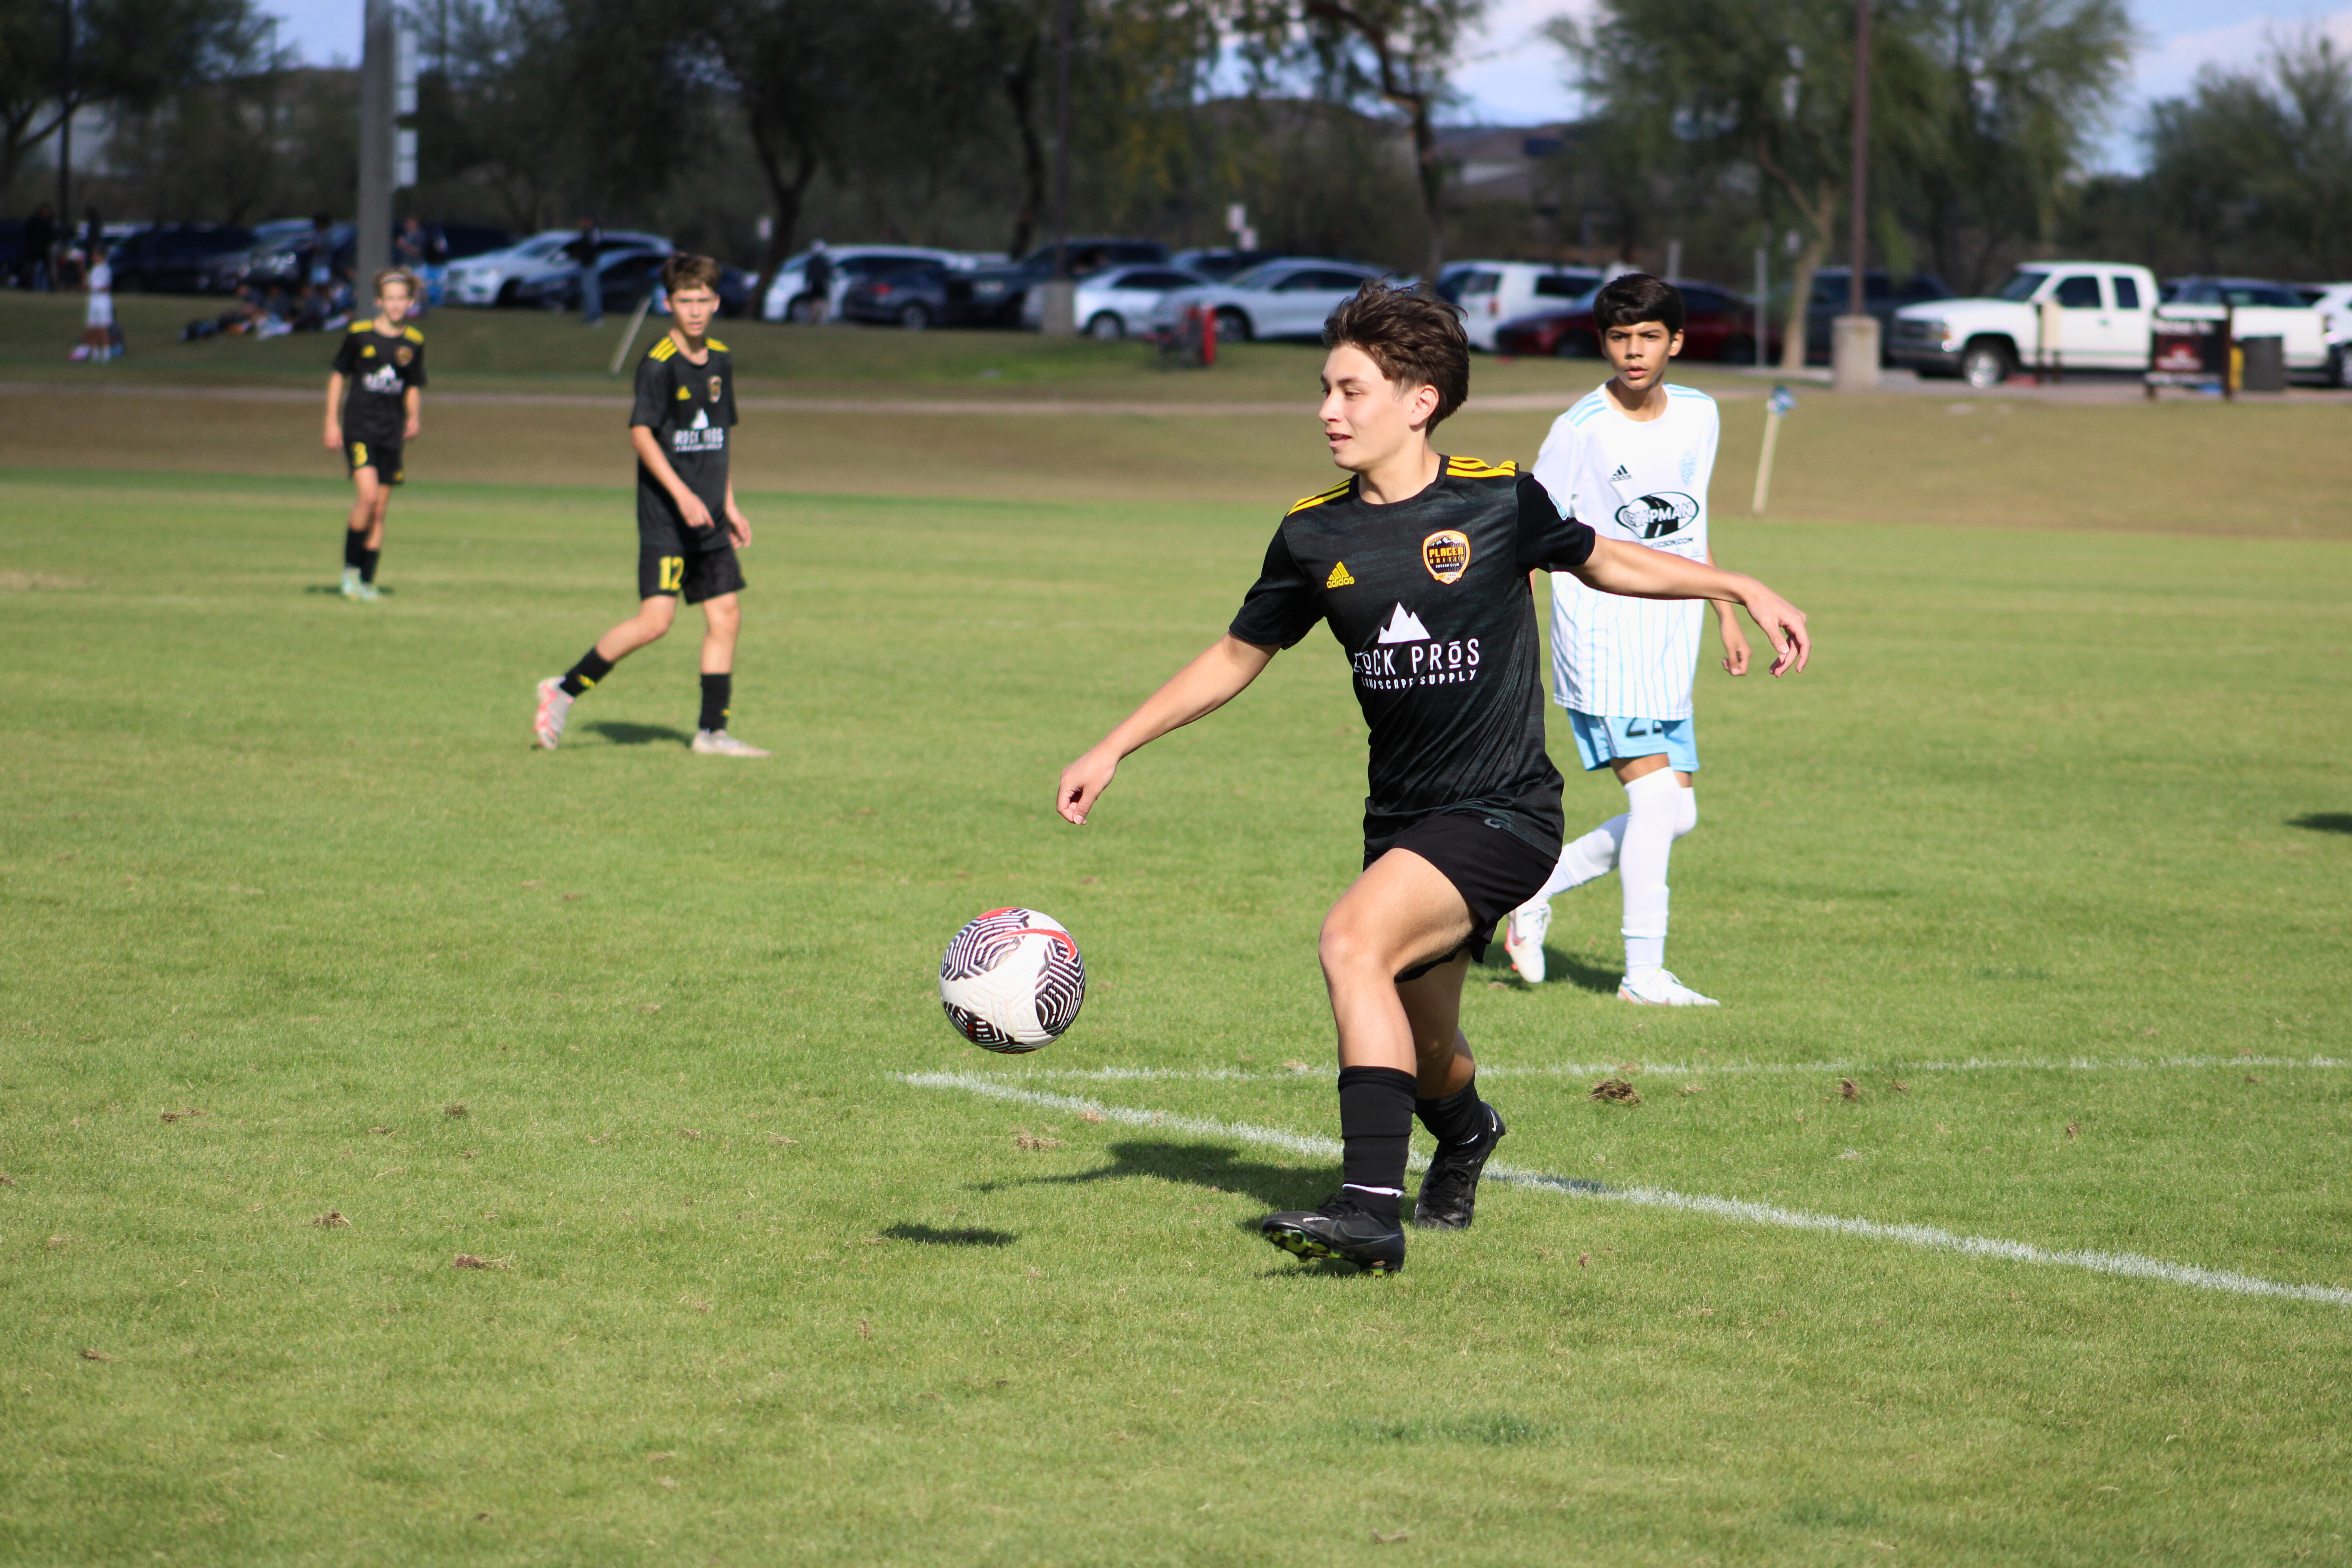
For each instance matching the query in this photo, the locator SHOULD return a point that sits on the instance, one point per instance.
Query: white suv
(1492, 292)
(2334, 303)
(494, 278)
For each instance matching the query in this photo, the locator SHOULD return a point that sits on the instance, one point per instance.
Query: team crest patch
(714, 389)
(1341, 577)
(1446, 554)
(403, 354)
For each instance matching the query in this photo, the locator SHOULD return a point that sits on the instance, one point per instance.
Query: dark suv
(997, 292)
(1881, 296)
(175, 258)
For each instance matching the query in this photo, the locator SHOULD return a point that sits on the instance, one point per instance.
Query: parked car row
(220, 257)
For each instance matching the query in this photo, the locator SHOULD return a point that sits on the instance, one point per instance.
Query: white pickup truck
(2090, 315)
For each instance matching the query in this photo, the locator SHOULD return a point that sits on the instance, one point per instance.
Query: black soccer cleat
(1449, 1189)
(1341, 1229)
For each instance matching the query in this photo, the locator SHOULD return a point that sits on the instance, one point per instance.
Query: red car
(1717, 325)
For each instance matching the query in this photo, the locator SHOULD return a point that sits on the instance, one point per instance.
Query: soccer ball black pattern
(1012, 981)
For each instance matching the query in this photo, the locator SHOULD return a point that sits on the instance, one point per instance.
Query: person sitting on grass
(375, 403)
(1419, 562)
(686, 405)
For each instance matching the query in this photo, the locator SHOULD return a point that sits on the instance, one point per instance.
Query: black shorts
(1493, 869)
(383, 457)
(674, 567)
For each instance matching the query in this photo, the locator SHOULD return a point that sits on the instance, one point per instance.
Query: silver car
(1288, 299)
(1118, 301)
(496, 276)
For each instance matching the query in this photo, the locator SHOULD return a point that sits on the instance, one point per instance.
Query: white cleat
(1658, 988)
(1523, 939)
(719, 743)
(554, 707)
(350, 588)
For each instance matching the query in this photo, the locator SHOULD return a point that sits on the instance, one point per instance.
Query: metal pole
(1858, 235)
(377, 67)
(1763, 317)
(65, 125)
(1062, 141)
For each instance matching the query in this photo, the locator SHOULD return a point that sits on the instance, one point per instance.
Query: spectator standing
(97, 343)
(410, 253)
(40, 238)
(585, 250)
(819, 274)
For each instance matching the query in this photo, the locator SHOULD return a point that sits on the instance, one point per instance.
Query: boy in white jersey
(1633, 460)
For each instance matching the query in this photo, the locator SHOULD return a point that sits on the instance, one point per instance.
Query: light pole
(1853, 353)
(1059, 318)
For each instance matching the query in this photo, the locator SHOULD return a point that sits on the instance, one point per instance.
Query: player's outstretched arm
(1218, 676)
(1637, 572)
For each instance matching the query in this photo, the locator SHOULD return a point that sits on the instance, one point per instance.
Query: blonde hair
(399, 275)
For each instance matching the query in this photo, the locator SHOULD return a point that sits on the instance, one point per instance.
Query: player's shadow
(2325, 822)
(620, 734)
(966, 1236)
(1559, 965)
(1215, 1167)
(335, 589)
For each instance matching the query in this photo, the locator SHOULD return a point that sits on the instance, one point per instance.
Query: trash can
(2264, 364)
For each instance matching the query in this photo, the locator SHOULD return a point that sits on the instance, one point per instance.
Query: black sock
(1458, 1118)
(1375, 1136)
(593, 668)
(718, 692)
(368, 558)
(355, 545)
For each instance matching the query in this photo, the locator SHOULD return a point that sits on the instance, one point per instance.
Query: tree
(2260, 162)
(2026, 84)
(1764, 86)
(127, 54)
(1396, 53)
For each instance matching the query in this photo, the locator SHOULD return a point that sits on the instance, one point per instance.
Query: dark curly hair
(1415, 340)
(1635, 298)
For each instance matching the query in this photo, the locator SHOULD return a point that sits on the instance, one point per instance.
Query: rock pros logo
(1446, 554)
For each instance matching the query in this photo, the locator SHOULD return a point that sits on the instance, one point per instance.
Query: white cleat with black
(1658, 988)
(719, 743)
(1523, 939)
(554, 707)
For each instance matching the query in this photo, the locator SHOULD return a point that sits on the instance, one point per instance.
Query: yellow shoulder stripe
(715, 345)
(664, 349)
(366, 326)
(1334, 493)
(1478, 468)
(411, 334)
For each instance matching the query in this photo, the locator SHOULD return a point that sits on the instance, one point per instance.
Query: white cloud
(1511, 74)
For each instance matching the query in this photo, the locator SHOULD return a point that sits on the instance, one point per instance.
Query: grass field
(2049, 854)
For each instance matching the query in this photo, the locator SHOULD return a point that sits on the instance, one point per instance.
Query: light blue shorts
(1599, 742)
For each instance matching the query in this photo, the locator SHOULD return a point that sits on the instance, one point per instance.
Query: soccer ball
(1012, 981)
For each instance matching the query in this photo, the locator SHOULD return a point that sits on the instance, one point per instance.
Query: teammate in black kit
(375, 398)
(686, 405)
(1420, 563)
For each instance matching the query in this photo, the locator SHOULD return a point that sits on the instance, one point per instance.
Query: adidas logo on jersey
(1622, 473)
(1340, 577)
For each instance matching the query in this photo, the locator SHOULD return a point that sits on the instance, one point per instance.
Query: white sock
(1656, 806)
(1594, 856)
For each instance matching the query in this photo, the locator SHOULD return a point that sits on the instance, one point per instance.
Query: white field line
(2128, 1265)
(1693, 1070)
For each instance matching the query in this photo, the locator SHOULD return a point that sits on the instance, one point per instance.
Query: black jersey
(689, 408)
(1430, 598)
(378, 371)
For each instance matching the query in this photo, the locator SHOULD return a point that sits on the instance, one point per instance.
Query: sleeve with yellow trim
(1285, 603)
(652, 407)
(347, 353)
(1549, 539)
(416, 355)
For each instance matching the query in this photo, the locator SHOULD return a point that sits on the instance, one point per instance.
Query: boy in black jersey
(1420, 563)
(375, 396)
(686, 405)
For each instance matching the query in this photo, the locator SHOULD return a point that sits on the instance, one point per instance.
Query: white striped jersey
(1644, 482)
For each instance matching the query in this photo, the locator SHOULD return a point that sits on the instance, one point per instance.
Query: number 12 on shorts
(673, 573)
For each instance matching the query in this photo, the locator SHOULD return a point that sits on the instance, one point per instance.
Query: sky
(1512, 74)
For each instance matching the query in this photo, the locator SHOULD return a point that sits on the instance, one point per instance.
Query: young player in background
(375, 402)
(1418, 563)
(1632, 459)
(686, 405)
